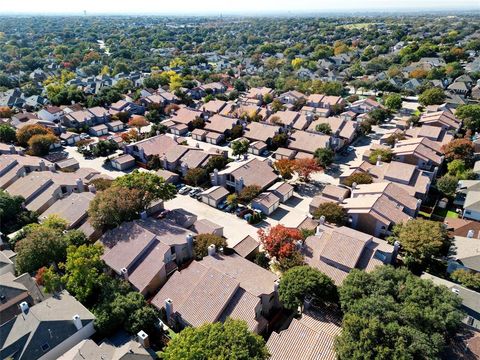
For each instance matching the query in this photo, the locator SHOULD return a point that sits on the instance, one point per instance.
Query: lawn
(445, 213)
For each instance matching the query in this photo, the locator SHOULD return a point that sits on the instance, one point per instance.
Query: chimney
(190, 240)
(143, 339)
(240, 184)
(215, 177)
(143, 215)
(13, 150)
(354, 186)
(184, 168)
(42, 165)
(24, 307)
(470, 234)
(79, 185)
(211, 250)
(169, 308)
(321, 221)
(77, 321)
(276, 284)
(307, 303)
(52, 168)
(124, 273)
(92, 188)
(379, 160)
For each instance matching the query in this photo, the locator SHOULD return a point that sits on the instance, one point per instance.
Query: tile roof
(253, 172)
(220, 124)
(260, 131)
(308, 142)
(246, 246)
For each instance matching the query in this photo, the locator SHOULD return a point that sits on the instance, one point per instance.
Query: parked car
(222, 205)
(230, 208)
(194, 192)
(179, 186)
(184, 190)
(244, 212)
(163, 213)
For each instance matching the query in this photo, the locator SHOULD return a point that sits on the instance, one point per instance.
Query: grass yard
(445, 213)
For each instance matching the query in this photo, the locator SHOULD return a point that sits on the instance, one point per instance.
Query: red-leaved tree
(279, 241)
(306, 167)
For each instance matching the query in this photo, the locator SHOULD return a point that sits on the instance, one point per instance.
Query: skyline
(215, 7)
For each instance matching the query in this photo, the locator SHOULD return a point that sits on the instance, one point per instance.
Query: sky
(200, 7)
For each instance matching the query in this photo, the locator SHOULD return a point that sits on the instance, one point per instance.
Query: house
(126, 107)
(16, 166)
(303, 121)
(444, 119)
(374, 214)
(312, 336)
(145, 252)
(464, 254)
(330, 193)
(100, 114)
(343, 131)
(70, 138)
(107, 350)
(204, 226)
(285, 118)
(179, 129)
(421, 152)
(46, 330)
(433, 133)
(256, 131)
(98, 130)
(238, 175)
(247, 247)
(123, 162)
(213, 107)
(284, 153)
(217, 287)
(214, 138)
(192, 159)
(199, 134)
(15, 290)
(169, 176)
(186, 116)
(291, 97)
(143, 150)
(259, 93)
(68, 165)
(214, 196)
(220, 124)
(307, 142)
(365, 106)
(78, 119)
(335, 251)
(468, 196)
(266, 202)
(115, 126)
(51, 113)
(72, 208)
(282, 190)
(257, 148)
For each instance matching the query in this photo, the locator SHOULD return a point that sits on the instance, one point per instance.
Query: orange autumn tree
(284, 168)
(279, 241)
(306, 167)
(138, 121)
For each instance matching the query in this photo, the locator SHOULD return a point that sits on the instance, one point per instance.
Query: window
(45, 347)
(467, 212)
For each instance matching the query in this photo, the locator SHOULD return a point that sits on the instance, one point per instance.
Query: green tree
(421, 239)
(467, 278)
(393, 102)
(216, 162)
(239, 147)
(456, 167)
(470, 114)
(303, 282)
(84, 271)
(277, 106)
(232, 199)
(384, 154)
(324, 128)
(203, 241)
(432, 96)
(285, 263)
(391, 314)
(447, 184)
(150, 186)
(249, 193)
(378, 116)
(332, 212)
(7, 134)
(108, 210)
(358, 178)
(52, 281)
(196, 176)
(230, 341)
(324, 156)
(13, 215)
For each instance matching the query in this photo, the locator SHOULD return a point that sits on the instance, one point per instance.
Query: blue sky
(188, 7)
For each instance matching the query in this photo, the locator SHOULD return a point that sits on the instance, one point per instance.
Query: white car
(184, 190)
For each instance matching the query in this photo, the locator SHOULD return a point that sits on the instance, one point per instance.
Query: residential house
(291, 97)
(365, 106)
(213, 107)
(468, 196)
(127, 107)
(307, 142)
(204, 226)
(123, 162)
(214, 195)
(14, 166)
(238, 175)
(221, 125)
(169, 176)
(72, 208)
(247, 247)
(335, 251)
(186, 116)
(284, 153)
(192, 159)
(283, 190)
(259, 93)
(100, 114)
(145, 252)
(98, 130)
(433, 133)
(46, 330)
(143, 150)
(199, 134)
(70, 138)
(285, 119)
(312, 336)
(330, 193)
(266, 202)
(78, 119)
(343, 132)
(256, 131)
(421, 152)
(257, 148)
(68, 165)
(115, 126)
(107, 350)
(444, 119)
(51, 113)
(217, 287)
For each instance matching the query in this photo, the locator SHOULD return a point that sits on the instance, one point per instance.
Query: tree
(108, 210)
(358, 178)
(432, 96)
(456, 167)
(470, 114)
(41, 247)
(391, 314)
(324, 156)
(248, 193)
(279, 241)
(324, 128)
(25, 133)
(232, 200)
(306, 167)
(279, 140)
(84, 271)
(305, 282)
(378, 116)
(284, 168)
(467, 278)
(447, 184)
(229, 340)
(285, 263)
(393, 102)
(382, 154)
(203, 241)
(239, 147)
(216, 162)
(39, 145)
(7, 134)
(236, 132)
(459, 149)
(138, 121)
(277, 105)
(13, 215)
(50, 279)
(195, 176)
(421, 239)
(151, 187)
(332, 212)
